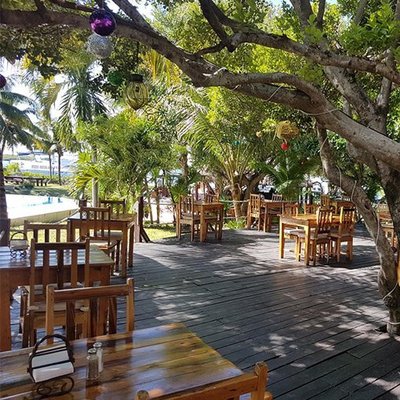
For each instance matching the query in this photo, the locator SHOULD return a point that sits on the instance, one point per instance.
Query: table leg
(5, 320)
(124, 251)
(131, 244)
(281, 239)
(306, 244)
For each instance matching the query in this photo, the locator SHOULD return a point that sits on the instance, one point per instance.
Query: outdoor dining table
(305, 221)
(161, 360)
(338, 203)
(121, 222)
(15, 272)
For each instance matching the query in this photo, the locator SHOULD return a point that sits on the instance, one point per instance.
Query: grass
(157, 232)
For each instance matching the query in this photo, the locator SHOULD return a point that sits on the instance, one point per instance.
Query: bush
(236, 223)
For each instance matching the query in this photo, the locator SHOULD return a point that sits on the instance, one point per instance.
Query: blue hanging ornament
(102, 22)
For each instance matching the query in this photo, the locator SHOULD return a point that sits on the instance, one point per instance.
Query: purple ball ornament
(3, 81)
(102, 22)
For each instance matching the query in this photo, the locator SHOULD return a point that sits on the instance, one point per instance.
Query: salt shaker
(99, 352)
(92, 366)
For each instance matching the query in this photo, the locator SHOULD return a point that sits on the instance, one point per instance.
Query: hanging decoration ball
(284, 146)
(99, 46)
(286, 130)
(136, 92)
(102, 22)
(3, 81)
(115, 78)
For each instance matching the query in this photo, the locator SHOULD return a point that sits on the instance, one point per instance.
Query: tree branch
(208, 7)
(71, 5)
(320, 16)
(225, 78)
(303, 10)
(351, 92)
(360, 12)
(313, 53)
(208, 50)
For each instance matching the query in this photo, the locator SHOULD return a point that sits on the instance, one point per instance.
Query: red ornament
(284, 146)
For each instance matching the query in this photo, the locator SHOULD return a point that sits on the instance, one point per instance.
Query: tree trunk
(59, 168)
(4, 220)
(50, 169)
(387, 275)
(236, 200)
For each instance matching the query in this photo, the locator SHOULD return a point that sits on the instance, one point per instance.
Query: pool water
(19, 206)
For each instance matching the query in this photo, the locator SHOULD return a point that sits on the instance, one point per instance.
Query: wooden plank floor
(314, 326)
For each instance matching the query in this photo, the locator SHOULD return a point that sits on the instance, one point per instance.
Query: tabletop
(161, 360)
(96, 258)
(128, 217)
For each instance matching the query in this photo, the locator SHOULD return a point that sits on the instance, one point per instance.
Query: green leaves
(380, 32)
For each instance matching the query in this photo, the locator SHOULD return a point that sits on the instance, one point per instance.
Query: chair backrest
(249, 383)
(290, 209)
(254, 204)
(325, 200)
(100, 307)
(186, 205)
(211, 198)
(346, 220)
(277, 197)
(95, 223)
(42, 232)
(55, 259)
(310, 208)
(117, 206)
(324, 221)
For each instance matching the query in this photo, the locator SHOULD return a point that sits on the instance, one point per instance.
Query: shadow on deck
(314, 326)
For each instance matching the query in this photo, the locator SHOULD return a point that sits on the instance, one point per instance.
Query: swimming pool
(39, 208)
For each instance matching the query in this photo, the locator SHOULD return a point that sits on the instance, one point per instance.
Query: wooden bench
(252, 384)
(17, 180)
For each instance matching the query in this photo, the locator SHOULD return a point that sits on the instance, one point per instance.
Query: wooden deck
(314, 326)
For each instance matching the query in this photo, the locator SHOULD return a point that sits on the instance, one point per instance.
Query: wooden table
(305, 221)
(121, 222)
(15, 272)
(161, 360)
(203, 209)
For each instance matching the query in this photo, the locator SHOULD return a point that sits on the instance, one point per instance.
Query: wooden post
(5, 227)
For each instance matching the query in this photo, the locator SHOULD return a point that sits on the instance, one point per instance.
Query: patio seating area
(315, 327)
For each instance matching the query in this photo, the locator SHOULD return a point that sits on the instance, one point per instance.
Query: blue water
(25, 205)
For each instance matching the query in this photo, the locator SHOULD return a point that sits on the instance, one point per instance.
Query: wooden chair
(41, 232)
(345, 233)
(211, 220)
(310, 208)
(95, 225)
(291, 209)
(325, 200)
(186, 215)
(100, 305)
(252, 383)
(277, 197)
(211, 198)
(254, 212)
(118, 207)
(319, 236)
(54, 259)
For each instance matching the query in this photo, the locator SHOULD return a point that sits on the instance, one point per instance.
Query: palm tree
(80, 99)
(16, 127)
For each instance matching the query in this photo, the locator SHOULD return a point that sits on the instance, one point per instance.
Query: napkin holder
(50, 366)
